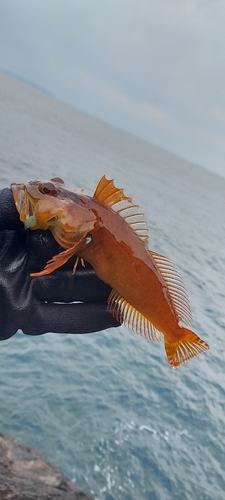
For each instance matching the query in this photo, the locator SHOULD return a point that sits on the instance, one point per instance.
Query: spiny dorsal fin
(175, 286)
(123, 205)
(131, 318)
(107, 192)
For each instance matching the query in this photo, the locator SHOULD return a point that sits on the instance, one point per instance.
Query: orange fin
(175, 287)
(123, 205)
(131, 318)
(76, 264)
(107, 192)
(58, 260)
(184, 349)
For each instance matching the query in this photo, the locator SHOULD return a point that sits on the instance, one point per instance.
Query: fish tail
(187, 347)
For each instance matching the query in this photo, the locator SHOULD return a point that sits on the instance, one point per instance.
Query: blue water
(106, 408)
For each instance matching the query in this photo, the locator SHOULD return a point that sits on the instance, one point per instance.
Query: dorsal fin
(131, 318)
(175, 286)
(108, 193)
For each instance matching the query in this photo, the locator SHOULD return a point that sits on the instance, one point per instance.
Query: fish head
(49, 205)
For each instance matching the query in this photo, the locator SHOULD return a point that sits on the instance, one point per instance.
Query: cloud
(154, 67)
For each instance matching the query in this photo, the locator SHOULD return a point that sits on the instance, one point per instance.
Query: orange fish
(107, 230)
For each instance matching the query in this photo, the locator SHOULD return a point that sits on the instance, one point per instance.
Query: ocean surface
(106, 408)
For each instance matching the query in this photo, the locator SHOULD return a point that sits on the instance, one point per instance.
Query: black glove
(42, 304)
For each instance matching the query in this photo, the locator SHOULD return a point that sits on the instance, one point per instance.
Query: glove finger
(9, 217)
(63, 286)
(71, 318)
(42, 246)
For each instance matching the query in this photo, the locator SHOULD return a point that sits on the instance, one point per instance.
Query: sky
(155, 68)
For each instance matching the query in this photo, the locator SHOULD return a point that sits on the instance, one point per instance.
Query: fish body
(120, 259)
(107, 230)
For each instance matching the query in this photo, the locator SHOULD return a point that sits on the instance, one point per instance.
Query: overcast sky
(155, 68)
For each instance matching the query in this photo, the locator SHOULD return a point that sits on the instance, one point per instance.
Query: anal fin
(123, 312)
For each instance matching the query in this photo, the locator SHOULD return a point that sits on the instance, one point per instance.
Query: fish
(108, 230)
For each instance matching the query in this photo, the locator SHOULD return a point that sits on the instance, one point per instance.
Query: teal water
(106, 408)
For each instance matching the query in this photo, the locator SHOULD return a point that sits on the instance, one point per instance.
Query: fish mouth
(26, 205)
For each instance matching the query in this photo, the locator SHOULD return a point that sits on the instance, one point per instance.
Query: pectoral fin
(59, 259)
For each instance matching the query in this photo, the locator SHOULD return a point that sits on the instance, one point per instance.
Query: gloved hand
(42, 304)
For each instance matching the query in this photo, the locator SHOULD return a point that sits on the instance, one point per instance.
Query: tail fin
(184, 349)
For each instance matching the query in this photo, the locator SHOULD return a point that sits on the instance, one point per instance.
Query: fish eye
(48, 188)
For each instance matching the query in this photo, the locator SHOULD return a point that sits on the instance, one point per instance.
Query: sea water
(106, 408)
